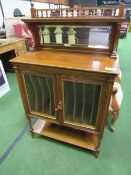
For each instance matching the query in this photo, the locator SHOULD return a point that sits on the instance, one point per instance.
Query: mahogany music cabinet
(66, 83)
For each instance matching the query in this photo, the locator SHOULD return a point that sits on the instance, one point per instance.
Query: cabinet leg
(32, 133)
(97, 152)
(30, 128)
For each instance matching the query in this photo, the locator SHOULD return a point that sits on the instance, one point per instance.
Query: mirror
(77, 36)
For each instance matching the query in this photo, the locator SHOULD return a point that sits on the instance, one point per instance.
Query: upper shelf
(74, 60)
(72, 19)
(94, 29)
(115, 11)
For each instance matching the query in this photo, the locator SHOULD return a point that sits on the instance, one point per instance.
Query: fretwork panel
(75, 12)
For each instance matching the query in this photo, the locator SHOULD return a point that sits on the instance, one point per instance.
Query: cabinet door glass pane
(81, 102)
(40, 91)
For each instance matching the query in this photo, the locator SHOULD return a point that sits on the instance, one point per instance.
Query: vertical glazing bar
(72, 13)
(102, 12)
(61, 13)
(74, 107)
(115, 13)
(46, 13)
(83, 105)
(41, 36)
(83, 13)
(49, 95)
(51, 13)
(37, 14)
(35, 92)
(43, 102)
(95, 12)
(89, 12)
(41, 13)
(92, 109)
(66, 13)
(77, 13)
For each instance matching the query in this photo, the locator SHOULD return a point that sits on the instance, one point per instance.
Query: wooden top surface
(9, 40)
(74, 19)
(75, 60)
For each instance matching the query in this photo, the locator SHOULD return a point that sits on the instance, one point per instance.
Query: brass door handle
(60, 105)
(56, 109)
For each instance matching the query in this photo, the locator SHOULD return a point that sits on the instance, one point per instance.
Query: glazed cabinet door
(41, 94)
(81, 101)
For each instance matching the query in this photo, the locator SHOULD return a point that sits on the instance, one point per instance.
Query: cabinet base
(66, 134)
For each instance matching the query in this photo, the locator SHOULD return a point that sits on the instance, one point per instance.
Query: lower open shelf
(66, 134)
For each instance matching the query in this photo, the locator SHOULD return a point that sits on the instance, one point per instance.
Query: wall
(24, 6)
(9, 6)
(83, 3)
(65, 2)
(1, 18)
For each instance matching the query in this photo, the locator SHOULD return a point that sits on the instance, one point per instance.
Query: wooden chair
(115, 102)
(124, 29)
(22, 31)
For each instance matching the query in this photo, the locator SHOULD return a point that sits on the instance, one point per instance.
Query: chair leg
(114, 118)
